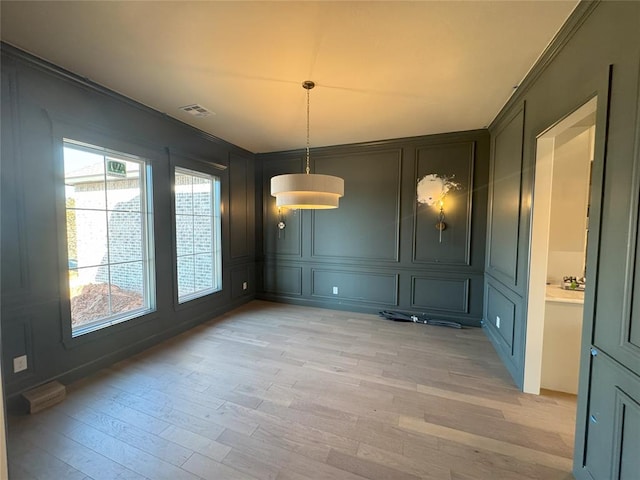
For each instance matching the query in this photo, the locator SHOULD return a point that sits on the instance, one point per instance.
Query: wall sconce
(432, 190)
(440, 225)
(281, 223)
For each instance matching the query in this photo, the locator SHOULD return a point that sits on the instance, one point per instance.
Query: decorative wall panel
(365, 227)
(441, 293)
(501, 314)
(367, 247)
(289, 240)
(613, 422)
(239, 186)
(14, 263)
(451, 163)
(283, 280)
(504, 200)
(239, 276)
(371, 288)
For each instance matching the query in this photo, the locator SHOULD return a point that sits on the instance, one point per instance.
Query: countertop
(555, 293)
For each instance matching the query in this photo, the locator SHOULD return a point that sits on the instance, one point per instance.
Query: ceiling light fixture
(307, 190)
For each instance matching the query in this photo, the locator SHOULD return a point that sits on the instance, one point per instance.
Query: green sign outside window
(116, 168)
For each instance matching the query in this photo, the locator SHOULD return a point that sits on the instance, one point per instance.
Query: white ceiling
(382, 69)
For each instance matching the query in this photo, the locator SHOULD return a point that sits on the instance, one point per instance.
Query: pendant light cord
(308, 169)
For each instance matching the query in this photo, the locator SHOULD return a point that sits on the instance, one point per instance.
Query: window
(109, 239)
(198, 253)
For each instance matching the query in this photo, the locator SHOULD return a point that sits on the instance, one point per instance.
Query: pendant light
(307, 190)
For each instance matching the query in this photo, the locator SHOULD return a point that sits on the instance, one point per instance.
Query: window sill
(112, 327)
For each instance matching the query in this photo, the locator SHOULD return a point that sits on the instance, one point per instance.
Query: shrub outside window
(197, 222)
(109, 236)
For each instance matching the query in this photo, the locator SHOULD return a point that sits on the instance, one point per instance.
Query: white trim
(539, 247)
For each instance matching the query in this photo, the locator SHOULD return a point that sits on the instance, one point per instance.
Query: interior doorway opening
(558, 270)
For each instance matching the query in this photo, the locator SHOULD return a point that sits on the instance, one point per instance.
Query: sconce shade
(307, 191)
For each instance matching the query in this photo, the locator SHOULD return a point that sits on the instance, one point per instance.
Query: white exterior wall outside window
(109, 239)
(198, 252)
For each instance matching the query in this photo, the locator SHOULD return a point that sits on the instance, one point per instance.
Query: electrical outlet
(244, 285)
(19, 364)
(497, 321)
(335, 290)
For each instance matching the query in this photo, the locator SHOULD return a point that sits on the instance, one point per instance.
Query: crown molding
(566, 32)
(38, 63)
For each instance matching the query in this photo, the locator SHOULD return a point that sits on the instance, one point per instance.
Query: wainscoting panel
(508, 339)
(17, 341)
(370, 288)
(239, 276)
(438, 293)
(613, 422)
(283, 280)
(501, 315)
(367, 247)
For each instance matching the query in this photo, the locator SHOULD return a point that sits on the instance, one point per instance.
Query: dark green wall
(596, 53)
(40, 104)
(380, 248)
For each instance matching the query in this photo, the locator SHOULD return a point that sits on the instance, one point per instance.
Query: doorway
(558, 271)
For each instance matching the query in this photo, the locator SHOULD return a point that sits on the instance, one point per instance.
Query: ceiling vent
(197, 110)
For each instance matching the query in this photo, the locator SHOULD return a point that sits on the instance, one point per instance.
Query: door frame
(539, 242)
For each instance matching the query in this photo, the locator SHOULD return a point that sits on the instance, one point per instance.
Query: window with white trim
(197, 222)
(109, 236)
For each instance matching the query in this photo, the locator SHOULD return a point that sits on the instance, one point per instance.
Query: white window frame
(216, 231)
(147, 238)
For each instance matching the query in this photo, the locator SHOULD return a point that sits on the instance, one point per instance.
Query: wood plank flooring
(280, 392)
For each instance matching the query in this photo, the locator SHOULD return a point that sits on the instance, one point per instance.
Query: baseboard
(16, 403)
(363, 308)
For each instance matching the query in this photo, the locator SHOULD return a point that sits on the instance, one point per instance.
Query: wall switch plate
(244, 285)
(335, 290)
(497, 321)
(19, 364)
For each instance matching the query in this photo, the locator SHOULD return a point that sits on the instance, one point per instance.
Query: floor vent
(45, 396)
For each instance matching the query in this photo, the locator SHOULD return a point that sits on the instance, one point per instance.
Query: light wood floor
(273, 391)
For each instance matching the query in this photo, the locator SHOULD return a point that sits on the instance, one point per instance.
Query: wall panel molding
(454, 160)
(628, 348)
(16, 341)
(285, 243)
(439, 293)
(504, 216)
(612, 424)
(239, 275)
(283, 280)
(47, 103)
(239, 206)
(508, 340)
(369, 240)
(15, 276)
(372, 288)
(366, 225)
